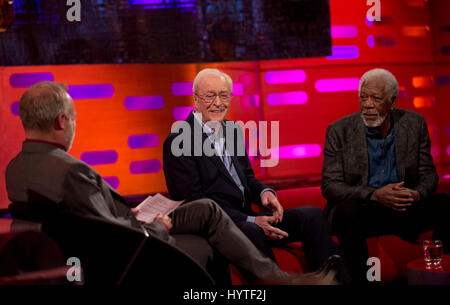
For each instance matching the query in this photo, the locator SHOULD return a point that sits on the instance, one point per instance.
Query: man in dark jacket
(378, 174)
(200, 161)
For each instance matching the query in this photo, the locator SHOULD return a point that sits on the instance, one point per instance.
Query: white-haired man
(226, 176)
(378, 174)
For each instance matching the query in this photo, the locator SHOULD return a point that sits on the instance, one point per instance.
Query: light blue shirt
(382, 165)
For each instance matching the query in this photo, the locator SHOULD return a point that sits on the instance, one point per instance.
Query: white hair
(41, 104)
(209, 71)
(390, 82)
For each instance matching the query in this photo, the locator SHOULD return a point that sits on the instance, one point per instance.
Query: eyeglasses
(210, 97)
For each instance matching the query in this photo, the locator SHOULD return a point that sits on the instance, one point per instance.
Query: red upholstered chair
(394, 253)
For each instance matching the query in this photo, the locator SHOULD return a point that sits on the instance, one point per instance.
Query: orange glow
(423, 101)
(416, 30)
(425, 81)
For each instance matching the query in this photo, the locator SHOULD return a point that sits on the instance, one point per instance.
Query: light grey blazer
(345, 171)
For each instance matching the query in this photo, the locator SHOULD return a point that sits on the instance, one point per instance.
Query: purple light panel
(145, 166)
(287, 98)
(144, 102)
(447, 130)
(371, 41)
(143, 141)
(182, 88)
(299, 151)
(100, 157)
(448, 150)
(91, 91)
(385, 20)
(285, 77)
(181, 113)
(337, 84)
(141, 2)
(238, 89)
(185, 89)
(15, 108)
(25, 80)
(113, 181)
(343, 52)
(344, 31)
(443, 80)
(446, 177)
(380, 41)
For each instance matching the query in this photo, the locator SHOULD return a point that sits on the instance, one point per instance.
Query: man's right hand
(165, 220)
(390, 196)
(271, 232)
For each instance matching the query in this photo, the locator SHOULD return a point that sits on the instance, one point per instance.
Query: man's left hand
(269, 200)
(413, 193)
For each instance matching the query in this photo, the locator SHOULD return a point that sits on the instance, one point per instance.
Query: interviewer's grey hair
(390, 82)
(209, 71)
(41, 104)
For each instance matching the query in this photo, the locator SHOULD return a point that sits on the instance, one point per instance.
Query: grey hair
(41, 104)
(209, 71)
(390, 82)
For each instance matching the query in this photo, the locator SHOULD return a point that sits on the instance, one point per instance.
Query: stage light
(285, 77)
(99, 157)
(337, 84)
(287, 98)
(144, 102)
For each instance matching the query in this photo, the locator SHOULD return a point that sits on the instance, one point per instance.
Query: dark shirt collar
(57, 145)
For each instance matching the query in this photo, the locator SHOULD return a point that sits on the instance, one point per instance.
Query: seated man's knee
(307, 213)
(205, 204)
(345, 213)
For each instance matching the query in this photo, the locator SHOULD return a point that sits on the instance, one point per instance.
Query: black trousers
(353, 221)
(306, 224)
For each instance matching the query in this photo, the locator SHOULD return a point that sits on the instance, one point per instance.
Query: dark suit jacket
(345, 171)
(42, 173)
(193, 177)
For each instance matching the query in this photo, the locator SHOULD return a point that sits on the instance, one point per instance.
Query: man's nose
(369, 103)
(217, 100)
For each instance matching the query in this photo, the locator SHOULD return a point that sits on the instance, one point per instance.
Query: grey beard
(380, 119)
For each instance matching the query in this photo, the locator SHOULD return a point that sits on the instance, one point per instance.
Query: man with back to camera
(227, 177)
(44, 167)
(378, 174)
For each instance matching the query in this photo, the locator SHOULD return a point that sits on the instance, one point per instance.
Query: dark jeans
(306, 224)
(353, 221)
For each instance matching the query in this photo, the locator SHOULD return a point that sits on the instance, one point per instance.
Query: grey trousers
(205, 218)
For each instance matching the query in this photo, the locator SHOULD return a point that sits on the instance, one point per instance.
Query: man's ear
(195, 102)
(60, 122)
(393, 102)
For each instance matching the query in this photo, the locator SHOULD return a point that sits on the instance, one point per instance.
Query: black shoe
(330, 265)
